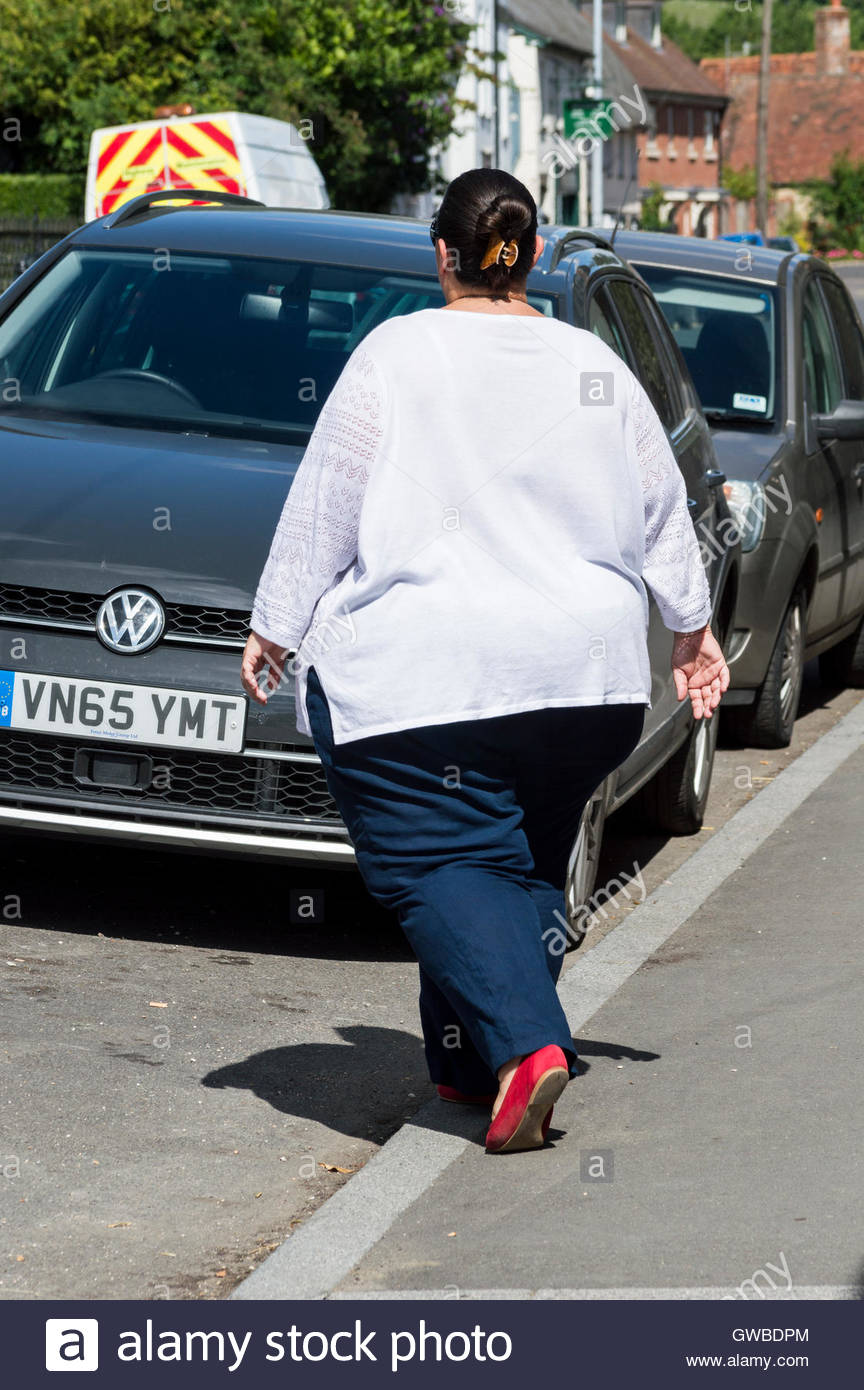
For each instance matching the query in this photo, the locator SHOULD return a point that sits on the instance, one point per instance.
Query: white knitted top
(466, 538)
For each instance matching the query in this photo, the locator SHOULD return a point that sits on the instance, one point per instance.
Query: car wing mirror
(846, 421)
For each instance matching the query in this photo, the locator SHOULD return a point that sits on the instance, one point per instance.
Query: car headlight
(747, 506)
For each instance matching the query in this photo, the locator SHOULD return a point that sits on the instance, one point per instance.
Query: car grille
(182, 620)
(267, 789)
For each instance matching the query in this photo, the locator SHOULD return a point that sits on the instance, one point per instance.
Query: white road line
(321, 1252)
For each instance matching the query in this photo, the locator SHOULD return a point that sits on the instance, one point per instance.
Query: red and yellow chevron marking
(177, 154)
(129, 163)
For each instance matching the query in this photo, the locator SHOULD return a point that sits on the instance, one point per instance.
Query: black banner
(364, 1343)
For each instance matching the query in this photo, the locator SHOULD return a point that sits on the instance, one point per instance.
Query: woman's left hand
(260, 655)
(699, 670)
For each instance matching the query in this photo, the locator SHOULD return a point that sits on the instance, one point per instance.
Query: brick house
(815, 101)
(679, 145)
(545, 49)
(661, 123)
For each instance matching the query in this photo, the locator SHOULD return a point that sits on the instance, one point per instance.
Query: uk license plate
(115, 713)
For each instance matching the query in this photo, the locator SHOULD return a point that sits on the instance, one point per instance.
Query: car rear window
(173, 340)
(727, 332)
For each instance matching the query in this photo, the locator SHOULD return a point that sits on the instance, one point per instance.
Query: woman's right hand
(260, 655)
(699, 670)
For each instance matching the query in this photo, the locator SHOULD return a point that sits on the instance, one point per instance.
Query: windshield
(204, 343)
(726, 330)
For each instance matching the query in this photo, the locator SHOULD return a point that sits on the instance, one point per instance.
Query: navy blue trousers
(465, 829)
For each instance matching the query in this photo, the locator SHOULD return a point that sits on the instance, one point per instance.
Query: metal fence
(23, 239)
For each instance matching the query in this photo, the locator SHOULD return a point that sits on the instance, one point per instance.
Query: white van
(227, 150)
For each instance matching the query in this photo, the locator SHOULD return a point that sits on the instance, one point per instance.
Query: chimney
(832, 40)
(656, 31)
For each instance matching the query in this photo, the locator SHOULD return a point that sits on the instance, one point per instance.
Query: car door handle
(715, 478)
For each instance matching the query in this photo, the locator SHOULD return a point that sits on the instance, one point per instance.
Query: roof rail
(566, 244)
(163, 195)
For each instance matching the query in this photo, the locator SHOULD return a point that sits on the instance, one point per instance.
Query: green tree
(649, 218)
(702, 35)
(376, 78)
(838, 205)
(741, 183)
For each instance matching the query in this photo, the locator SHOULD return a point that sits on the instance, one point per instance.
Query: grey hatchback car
(163, 369)
(775, 347)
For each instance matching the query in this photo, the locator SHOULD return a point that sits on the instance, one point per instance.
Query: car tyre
(674, 800)
(843, 665)
(770, 721)
(583, 864)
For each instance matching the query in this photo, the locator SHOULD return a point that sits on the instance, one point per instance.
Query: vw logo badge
(130, 620)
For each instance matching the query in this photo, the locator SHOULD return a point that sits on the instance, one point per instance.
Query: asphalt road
(853, 274)
(187, 1074)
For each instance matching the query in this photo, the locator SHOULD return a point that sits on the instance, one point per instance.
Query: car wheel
(770, 720)
(843, 665)
(583, 864)
(674, 800)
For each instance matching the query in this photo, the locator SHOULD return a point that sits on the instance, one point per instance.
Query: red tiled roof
(665, 69)
(720, 70)
(810, 118)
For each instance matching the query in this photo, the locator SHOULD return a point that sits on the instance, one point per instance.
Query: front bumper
(270, 800)
(209, 839)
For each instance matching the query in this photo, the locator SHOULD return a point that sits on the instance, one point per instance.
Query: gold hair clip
(497, 251)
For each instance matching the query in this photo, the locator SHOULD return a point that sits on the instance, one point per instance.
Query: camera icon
(71, 1344)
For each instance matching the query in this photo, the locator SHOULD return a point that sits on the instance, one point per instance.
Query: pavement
(713, 1145)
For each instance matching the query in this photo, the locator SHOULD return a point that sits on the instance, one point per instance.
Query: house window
(692, 152)
(671, 151)
(555, 86)
(712, 132)
(652, 149)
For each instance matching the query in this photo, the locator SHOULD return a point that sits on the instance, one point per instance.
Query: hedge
(42, 195)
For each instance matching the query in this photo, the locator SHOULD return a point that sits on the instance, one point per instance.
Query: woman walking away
(486, 540)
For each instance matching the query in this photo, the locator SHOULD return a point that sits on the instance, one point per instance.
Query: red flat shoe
(459, 1097)
(526, 1111)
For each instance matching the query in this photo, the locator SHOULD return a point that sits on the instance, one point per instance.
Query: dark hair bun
(506, 216)
(479, 208)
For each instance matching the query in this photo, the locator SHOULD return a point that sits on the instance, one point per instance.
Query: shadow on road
(356, 1089)
(198, 900)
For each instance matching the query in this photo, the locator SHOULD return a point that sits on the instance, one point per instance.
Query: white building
(519, 122)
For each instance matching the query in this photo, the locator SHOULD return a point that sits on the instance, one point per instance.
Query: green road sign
(580, 118)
